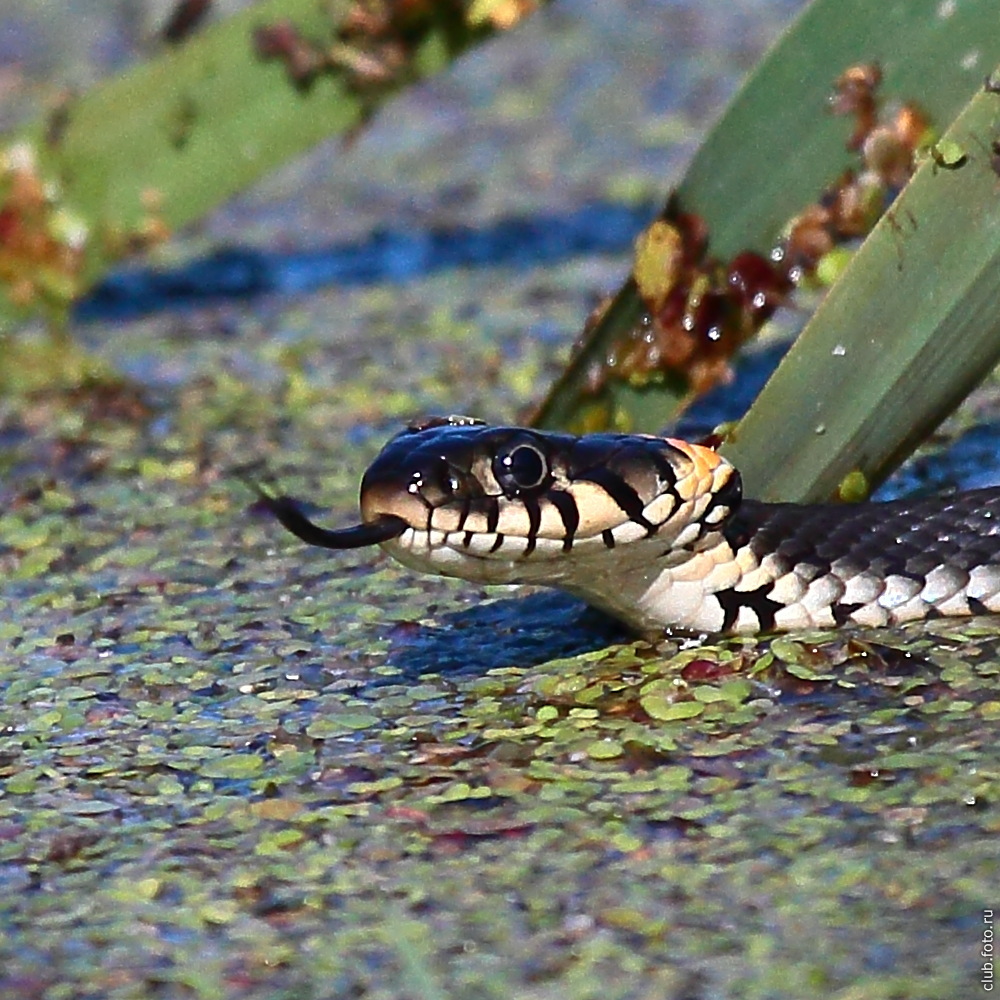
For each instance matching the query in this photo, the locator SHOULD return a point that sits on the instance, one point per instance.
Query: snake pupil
(520, 469)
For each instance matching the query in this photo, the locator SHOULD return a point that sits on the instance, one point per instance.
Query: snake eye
(520, 469)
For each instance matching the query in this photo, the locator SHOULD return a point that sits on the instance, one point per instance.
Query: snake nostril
(521, 468)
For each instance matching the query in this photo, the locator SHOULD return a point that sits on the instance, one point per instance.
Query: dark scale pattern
(534, 511)
(731, 601)
(905, 537)
(566, 506)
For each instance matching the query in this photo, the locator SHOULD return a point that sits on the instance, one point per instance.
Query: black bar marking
(664, 469)
(534, 511)
(467, 540)
(497, 542)
(842, 612)
(570, 514)
(732, 601)
(464, 515)
(976, 606)
(609, 538)
(492, 514)
(623, 495)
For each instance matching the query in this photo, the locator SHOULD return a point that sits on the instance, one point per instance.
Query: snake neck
(776, 567)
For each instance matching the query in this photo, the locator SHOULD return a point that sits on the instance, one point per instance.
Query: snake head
(457, 496)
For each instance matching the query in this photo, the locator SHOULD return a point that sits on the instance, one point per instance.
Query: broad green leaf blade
(909, 329)
(775, 149)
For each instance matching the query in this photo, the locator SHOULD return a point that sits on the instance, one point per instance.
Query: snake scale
(655, 532)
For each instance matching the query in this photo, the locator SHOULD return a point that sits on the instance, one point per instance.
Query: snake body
(655, 532)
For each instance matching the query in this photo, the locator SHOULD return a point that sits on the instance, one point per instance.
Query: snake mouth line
(529, 539)
(457, 535)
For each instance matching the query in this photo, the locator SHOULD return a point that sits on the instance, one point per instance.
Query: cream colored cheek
(598, 511)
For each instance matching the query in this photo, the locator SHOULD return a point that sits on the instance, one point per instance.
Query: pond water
(234, 767)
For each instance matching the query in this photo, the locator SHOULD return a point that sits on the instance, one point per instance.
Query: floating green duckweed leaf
(234, 766)
(279, 841)
(660, 707)
(22, 782)
(375, 787)
(807, 673)
(355, 719)
(93, 807)
(605, 749)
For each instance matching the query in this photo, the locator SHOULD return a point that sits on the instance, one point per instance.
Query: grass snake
(656, 532)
